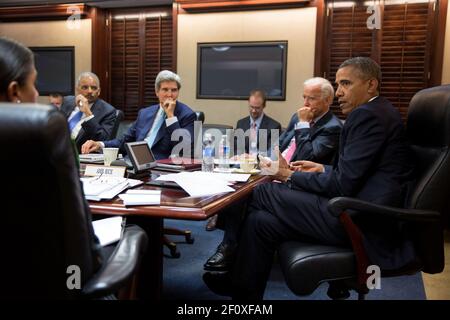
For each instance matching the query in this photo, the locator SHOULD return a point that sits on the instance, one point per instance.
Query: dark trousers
(277, 214)
(230, 220)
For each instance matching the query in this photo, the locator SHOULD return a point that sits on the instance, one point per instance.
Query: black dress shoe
(222, 259)
(219, 283)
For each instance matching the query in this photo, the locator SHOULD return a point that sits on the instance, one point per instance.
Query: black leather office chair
(46, 223)
(200, 116)
(124, 125)
(119, 117)
(306, 266)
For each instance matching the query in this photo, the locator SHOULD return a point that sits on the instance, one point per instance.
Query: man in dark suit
(89, 116)
(155, 124)
(313, 132)
(304, 140)
(253, 124)
(373, 165)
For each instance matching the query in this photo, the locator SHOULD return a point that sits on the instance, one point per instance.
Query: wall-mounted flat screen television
(56, 68)
(232, 70)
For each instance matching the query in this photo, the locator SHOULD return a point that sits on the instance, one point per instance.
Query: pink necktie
(253, 132)
(253, 139)
(290, 151)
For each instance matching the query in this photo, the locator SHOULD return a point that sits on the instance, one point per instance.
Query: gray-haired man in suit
(89, 117)
(303, 140)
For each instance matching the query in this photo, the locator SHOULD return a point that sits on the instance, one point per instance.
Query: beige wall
(297, 26)
(446, 62)
(54, 33)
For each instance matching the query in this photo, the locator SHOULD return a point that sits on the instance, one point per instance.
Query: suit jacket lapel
(162, 129)
(149, 122)
(246, 124)
(70, 107)
(316, 128)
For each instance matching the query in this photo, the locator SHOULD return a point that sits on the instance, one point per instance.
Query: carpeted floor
(183, 276)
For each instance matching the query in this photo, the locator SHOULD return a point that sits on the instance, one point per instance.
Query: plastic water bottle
(224, 156)
(208, 154)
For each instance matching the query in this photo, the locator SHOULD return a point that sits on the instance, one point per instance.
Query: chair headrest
(31, 120)
(428, 121)
(200, 116)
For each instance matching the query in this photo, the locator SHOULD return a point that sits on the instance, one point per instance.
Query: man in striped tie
(89, 116)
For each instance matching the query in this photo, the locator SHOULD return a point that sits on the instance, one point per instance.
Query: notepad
(141, 197)
(99, 188)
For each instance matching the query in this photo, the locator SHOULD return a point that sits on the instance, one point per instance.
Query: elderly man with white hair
(313, 132)
(155, 124)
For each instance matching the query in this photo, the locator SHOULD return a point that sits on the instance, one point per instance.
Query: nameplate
(104, 171)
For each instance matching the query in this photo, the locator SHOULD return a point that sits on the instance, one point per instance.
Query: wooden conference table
(175, 204)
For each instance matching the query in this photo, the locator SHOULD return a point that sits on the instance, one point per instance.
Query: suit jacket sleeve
(325, 142)
(100, 127)
(363, 140)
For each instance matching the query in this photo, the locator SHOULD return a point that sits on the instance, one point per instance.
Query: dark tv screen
(232, 70)
(55, 67)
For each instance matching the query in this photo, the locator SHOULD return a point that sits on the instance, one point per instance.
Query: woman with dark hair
(17, 72)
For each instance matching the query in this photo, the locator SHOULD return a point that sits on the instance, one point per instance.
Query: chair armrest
(121, 266)
(339, 204)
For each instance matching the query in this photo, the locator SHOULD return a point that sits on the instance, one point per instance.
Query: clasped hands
(281, 170)
(83, 104)
(169, 107)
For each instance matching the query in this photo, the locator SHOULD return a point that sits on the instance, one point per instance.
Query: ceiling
(94, 3)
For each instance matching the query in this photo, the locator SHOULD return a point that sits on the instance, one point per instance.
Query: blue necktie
(75, 119)
(151, 138)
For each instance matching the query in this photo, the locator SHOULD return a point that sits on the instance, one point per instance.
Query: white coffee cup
(109, 155)
(247, 164)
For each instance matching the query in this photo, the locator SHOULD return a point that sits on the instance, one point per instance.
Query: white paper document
(108, 230)
(199, 184)
(99, 188)
(141, 197)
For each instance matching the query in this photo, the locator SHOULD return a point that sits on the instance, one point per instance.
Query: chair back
(119, 117)
(428, 128)
(199, 116)
(46, 225)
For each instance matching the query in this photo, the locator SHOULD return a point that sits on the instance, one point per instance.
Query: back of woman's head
(16, 63)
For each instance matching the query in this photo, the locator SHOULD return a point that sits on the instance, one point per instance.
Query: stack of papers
(91, 157)
(199, 184)
(108, 230)
(99, 188)
(141, 197)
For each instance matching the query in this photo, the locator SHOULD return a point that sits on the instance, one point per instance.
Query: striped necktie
(75, 119)
(155, 128)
